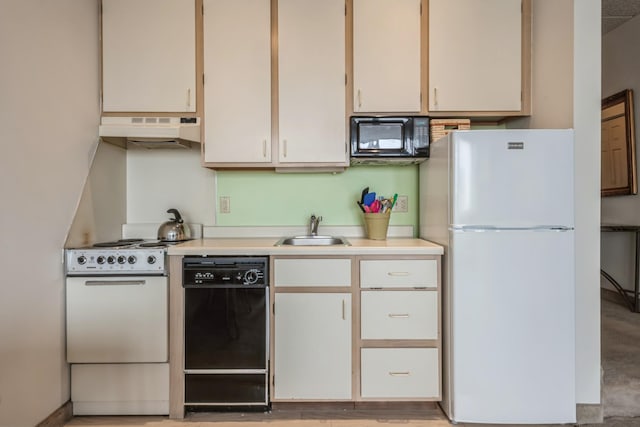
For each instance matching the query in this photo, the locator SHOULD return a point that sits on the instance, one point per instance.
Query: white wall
(102, 209)
(48, 115)
(169, 178)
(566, 94)
(586, 122)
(620, 66)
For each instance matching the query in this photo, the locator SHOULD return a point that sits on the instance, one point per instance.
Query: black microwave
(398, 139)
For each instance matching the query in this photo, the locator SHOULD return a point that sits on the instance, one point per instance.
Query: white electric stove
(117, 328)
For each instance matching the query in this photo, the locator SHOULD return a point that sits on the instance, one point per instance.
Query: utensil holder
(376, 225)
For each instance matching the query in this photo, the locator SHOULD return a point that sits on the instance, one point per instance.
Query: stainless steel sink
(313, 241)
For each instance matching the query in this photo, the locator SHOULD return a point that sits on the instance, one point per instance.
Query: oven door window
(226, 328)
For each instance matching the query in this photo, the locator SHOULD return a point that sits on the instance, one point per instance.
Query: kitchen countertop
(265, 246)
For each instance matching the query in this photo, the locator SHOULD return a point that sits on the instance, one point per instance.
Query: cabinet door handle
(359, 99)
(189, 98)
(398, 316)
(400, 374)
(264, 148)
(344, 313)
(284, 148)
(435, 97)
(398, 273)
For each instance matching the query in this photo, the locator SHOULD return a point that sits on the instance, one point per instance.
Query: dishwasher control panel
(225, 271)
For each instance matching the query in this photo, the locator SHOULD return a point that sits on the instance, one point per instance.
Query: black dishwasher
(226, 331)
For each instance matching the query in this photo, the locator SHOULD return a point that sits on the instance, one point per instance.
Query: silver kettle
(174, 230)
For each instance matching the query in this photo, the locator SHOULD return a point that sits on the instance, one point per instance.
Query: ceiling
(617, 12)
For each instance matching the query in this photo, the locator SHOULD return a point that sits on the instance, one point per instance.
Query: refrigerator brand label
(515, 145)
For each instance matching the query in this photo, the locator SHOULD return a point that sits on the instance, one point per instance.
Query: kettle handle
(175, 212)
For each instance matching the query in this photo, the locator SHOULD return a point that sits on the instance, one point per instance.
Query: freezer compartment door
(513, 327)
(512, 178)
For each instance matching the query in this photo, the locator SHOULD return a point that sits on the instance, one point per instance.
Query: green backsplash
(281, 199)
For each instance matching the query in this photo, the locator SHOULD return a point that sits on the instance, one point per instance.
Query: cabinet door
(311, 79)
(312, 343)
(237, 90)
(386, 55)
(475, 55)
(148, 55)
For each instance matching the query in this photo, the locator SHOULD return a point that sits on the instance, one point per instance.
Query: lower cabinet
(400, 330)
(387, 350)
(407, 373)
(312, 346)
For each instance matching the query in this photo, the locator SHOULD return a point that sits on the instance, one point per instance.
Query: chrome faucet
(314, 222)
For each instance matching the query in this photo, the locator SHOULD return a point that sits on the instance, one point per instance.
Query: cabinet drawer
(400, 373)
(312, 272)
(399, 315)
(399, 273)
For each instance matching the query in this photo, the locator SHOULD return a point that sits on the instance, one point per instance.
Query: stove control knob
(111, 259)
(132, 259)
(101, 259)
(122, 259)
(151, 259)
(82, 260)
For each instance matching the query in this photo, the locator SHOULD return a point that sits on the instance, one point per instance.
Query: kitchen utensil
(361, 206)
(174, 230)
(364, 193)
(369, 198)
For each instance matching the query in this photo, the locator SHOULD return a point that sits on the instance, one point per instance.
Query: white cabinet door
(312, 346)
(311, 75)
(475, 55)
(386, 55)
(148, 55)
(237, 90)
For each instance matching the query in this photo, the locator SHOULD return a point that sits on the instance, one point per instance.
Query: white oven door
(117, 319)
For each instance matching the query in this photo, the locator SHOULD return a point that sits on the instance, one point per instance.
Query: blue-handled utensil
(369, 198)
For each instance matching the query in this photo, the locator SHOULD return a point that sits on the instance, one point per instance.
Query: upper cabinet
(386, 56)
(295, 48)
(311, 82)
(237, 90)
(477, 62)
(148, 56)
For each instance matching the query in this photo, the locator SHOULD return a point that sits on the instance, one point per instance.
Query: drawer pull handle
(398, 316)
(398, 273)
(400, 374)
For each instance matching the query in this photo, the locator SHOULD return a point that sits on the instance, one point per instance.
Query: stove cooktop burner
(118, 243)
(158, 244)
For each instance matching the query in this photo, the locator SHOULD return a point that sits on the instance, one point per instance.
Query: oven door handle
(114, 282)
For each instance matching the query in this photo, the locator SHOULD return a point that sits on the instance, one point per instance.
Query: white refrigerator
(501, 202)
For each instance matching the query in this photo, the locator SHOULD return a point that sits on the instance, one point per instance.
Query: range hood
(150, 132)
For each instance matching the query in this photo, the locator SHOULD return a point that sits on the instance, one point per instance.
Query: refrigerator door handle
(483, 228)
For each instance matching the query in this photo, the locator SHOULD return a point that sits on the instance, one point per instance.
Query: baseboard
(593, 413)
(59, 417)
(589, 414)
(613, 296)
